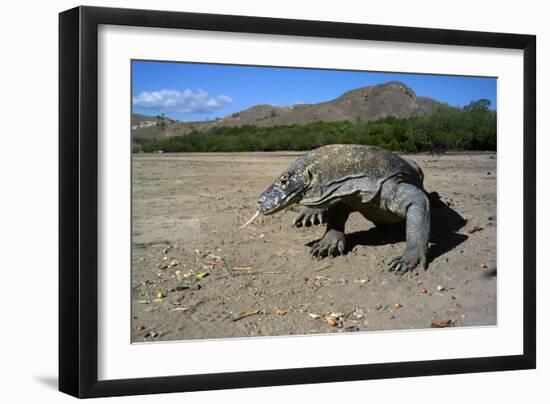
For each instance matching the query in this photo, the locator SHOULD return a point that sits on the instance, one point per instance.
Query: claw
(329, 246)
(341, 247)
(314, 251)
(423, 264)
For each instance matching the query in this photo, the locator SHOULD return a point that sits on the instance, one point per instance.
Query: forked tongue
(250, 220)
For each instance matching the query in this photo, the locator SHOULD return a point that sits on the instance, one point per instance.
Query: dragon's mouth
(286, 201)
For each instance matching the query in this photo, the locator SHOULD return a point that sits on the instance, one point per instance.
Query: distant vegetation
(470, 128)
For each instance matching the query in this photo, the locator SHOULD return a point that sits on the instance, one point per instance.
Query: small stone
(397, 305)
(440, 288)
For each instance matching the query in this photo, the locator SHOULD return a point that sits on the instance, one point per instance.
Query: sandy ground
(196, 275)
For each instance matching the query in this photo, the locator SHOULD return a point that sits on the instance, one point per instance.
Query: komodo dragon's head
(286, 190)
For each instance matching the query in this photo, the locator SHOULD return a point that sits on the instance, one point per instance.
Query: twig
(239, 269)
(260, 273)
(247, 314)
(322, 268)
(225, 267)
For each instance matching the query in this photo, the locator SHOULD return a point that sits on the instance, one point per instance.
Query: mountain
(360, 105)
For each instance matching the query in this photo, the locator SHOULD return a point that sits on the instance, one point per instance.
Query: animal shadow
(445, 222)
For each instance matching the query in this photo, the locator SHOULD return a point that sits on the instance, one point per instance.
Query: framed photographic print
(251, 201)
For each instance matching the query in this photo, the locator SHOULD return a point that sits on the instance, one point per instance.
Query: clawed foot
(407, 262)
(332, 244)
(309, 216)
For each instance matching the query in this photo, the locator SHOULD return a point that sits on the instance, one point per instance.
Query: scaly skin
(403, 202)
(336, 180)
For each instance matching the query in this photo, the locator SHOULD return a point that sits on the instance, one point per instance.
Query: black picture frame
(78, 201)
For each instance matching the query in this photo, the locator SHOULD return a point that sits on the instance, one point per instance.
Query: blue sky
(190, 91)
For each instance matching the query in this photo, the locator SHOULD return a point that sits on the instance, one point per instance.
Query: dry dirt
(196, 275)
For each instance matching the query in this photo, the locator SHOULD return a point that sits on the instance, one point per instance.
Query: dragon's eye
(283, 181)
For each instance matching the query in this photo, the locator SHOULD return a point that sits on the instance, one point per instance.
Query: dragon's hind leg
(411, 203)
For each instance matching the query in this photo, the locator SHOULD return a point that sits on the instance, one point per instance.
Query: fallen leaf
(334, 319)
(279, 311)
(201, 275)
(475, 229)
(173, 263)
(423, 291)
(361, 281)
(161, 295)
(140, 327)
(314, 316)
(378, 306)
(442, 323)
(483, 265)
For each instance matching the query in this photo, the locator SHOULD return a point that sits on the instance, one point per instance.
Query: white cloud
(181, 101)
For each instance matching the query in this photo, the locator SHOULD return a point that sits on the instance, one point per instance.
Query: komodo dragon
(334, 180)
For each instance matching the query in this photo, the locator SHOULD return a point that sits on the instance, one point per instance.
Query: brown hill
(360, 105)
